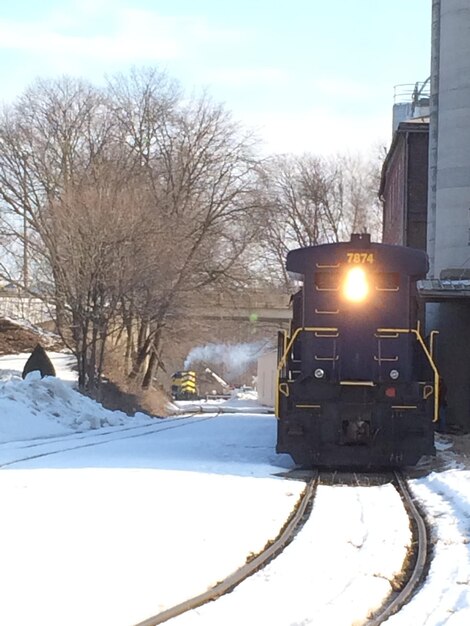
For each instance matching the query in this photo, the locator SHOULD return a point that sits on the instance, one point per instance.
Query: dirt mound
(15, 338)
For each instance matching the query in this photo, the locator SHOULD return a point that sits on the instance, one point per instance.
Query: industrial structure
(404, 185)
(449, 166)
(446, 222)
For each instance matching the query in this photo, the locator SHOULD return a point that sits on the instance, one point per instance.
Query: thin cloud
(123, 44)
(128, 35)
(342, 87)
(239, 76)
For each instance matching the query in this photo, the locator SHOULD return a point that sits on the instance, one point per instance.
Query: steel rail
(269, 552)
(421, 551)
(99, 439)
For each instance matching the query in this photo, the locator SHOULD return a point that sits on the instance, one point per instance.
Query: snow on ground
(110, 534)
(51, 406)
(445, 596)
(240, 402)
(354, 556)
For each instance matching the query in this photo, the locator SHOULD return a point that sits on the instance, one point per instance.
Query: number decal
(360, 257)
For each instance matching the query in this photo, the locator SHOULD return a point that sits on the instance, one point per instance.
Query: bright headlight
(356, 287)
(319, 373)
(394, 374)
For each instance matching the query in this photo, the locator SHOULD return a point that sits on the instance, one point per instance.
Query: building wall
(404, 187)
(448, 211)
(393, 194)
(417, 190)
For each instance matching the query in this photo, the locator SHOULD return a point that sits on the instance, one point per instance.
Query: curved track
(416, 560)
(417, 557)
(271, 550)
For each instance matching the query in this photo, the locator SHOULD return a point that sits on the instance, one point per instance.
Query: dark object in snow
(39, 362)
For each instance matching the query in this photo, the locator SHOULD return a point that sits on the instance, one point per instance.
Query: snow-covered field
(107, 520)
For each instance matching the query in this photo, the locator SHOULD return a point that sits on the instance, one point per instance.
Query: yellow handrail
(287, 348)
(415, 331)
(428, 354)
(431, 342)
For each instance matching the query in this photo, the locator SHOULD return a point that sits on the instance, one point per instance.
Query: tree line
(124, 206)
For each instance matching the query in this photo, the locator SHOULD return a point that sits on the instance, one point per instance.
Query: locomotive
(357, 385)
(184, 386)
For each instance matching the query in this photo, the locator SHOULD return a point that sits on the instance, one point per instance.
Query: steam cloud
(234, 357)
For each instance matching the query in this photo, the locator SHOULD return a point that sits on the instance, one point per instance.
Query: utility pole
(25, 252)
(25, 228)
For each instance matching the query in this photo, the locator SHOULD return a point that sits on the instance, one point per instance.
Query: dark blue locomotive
(357, 385)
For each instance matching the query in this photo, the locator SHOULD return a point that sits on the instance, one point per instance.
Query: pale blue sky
(308, 75)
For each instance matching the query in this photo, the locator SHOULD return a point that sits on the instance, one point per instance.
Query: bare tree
(360, 180)
(310, 200)
(200, 179)
(47, 141)
(133, 203)
(56, 145)
(97, 228)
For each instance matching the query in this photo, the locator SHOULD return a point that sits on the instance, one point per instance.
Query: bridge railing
(31, 309)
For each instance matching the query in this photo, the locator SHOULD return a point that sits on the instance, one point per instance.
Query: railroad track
(410, 581)
(34, 449)
(270, 551)
(417, 557)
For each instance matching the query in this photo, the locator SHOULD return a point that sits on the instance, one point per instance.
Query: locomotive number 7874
(360, 257)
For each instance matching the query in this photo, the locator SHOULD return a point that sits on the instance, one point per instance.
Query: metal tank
(449, 197)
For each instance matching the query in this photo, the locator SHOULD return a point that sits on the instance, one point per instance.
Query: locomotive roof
(387, 257)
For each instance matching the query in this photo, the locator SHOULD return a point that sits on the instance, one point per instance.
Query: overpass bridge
(259, 306)
(22, 307)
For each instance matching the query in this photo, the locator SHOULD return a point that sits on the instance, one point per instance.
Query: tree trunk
(150, 371)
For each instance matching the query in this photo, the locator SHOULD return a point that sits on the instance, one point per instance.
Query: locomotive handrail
(428, 356)
(431, 341)
(283, 359)
(310, 329)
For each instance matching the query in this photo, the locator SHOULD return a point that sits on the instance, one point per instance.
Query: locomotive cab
(357, 384)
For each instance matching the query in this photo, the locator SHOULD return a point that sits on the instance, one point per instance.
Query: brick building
(404, 185)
